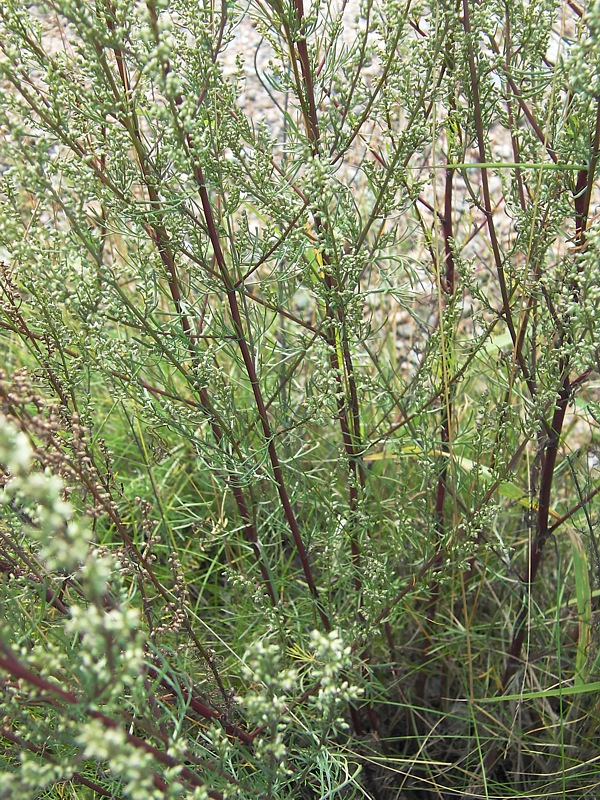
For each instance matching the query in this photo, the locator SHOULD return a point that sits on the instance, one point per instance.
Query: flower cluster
(266, 703)
(107, 651)
(332, 662)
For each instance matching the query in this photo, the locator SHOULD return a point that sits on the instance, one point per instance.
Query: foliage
(299, 413)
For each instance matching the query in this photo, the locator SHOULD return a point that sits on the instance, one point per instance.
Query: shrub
(299, 426)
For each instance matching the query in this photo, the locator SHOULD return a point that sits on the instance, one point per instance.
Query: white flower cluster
(109, 646)
(583, 63)
(320, 182)
(131, 763)
(15, 450)
(332, 659)
(31, 778)
(266, 705)
(62, 540)
(158, 34)
(577, 302)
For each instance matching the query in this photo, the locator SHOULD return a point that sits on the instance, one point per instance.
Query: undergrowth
(299, 343)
